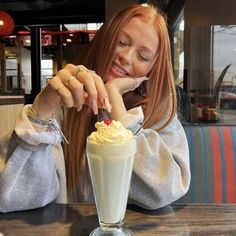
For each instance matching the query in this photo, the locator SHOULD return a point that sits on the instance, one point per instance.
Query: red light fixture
(6, 24)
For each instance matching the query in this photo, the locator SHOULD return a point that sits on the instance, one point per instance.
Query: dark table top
(81, 219)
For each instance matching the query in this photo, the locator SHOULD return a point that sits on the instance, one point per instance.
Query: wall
(209, 12)
(26, 69)
(7, 118)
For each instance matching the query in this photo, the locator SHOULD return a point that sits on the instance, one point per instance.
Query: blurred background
(38, 37)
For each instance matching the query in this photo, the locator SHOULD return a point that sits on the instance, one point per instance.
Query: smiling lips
(118, 71)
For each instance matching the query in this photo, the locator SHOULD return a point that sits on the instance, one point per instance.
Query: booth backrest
(213, 164)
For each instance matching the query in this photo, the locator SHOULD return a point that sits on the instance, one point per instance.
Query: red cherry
(107, 121)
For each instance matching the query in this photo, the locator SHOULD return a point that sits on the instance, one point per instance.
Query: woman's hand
(124, 85)
(116, 88)
(73, 86)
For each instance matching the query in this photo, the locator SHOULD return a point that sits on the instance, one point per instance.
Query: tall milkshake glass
(110, 166)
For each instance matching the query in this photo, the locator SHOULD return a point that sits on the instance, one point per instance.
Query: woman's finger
(75, 87)
(101, 90)
(87, 79)
(96, 95)
(59, 87)
(83, 75)
(77, 90)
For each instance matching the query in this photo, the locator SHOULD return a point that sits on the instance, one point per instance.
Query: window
(209, 57)
(224, 53)
(46, 71)
(178, 50)
(58, 43)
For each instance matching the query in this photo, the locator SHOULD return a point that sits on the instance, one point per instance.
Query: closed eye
(143, 57)
(123, 43)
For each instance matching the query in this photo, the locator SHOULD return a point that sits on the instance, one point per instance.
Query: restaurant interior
(46, 33)
(42, 36)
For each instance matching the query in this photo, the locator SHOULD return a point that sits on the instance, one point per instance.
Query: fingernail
(79, 108)
(107, 104)
(94, 107)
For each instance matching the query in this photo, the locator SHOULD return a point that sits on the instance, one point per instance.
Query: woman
(127, 71)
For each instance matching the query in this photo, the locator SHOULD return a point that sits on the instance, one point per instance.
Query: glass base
(119, 232)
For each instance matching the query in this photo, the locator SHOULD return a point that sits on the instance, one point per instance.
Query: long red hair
(78, 126)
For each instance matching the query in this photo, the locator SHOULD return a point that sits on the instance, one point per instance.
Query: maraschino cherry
(107, 121)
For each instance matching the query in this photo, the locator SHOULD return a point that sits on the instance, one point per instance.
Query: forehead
(142, 32)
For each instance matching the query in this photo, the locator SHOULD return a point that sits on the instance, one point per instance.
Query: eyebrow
(143, 47)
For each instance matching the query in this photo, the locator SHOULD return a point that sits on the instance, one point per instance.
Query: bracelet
(33, 117)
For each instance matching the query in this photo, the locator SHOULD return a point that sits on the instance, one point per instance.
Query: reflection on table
(81, 219)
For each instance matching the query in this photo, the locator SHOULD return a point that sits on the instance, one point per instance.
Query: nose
(125, 56)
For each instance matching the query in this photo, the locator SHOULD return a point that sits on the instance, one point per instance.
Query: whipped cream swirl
(114, 133)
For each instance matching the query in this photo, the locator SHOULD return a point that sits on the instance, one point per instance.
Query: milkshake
(110, 152)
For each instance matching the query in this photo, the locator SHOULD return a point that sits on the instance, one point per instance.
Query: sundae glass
(110, 153)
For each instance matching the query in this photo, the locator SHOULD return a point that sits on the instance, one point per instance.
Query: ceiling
(53, 15)
(40, 12)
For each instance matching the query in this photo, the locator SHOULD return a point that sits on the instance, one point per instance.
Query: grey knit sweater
(32, 169)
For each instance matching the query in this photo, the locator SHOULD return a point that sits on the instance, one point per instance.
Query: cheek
(142, 69)
(116, 51)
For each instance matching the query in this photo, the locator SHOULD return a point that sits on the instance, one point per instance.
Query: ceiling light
(144, 2)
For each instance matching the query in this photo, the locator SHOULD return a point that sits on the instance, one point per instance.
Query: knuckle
(52, 81)
(93, 95)
(68, 66)
(60, 73)
(68, 96)
(77, 88)
(98, 78)
(80, 88)
(78, 92)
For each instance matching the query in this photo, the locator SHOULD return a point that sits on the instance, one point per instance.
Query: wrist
(116, 100)
(45, 103)
(34, 118)
(112, 88)
(41, 109)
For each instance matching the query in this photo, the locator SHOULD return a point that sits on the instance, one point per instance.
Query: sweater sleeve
(31, 167)
(161, 172)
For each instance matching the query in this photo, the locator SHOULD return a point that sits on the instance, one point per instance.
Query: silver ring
(79, 70)
(92, 71)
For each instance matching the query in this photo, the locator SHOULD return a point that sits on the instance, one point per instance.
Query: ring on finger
(79, 70)
(69, 80)
(92, 71)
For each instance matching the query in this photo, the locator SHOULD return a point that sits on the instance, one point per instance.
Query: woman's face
(136, 50)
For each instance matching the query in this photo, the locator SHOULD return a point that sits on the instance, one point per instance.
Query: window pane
(224, 53)
(179, 52)
(46, 71)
